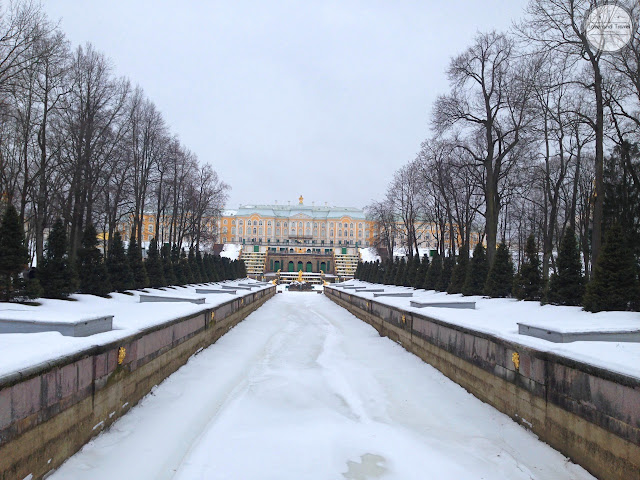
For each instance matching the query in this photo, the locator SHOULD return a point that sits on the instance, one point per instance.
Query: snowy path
(303, 390)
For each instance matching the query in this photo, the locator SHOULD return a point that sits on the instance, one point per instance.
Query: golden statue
(301, 199)
(300, 276)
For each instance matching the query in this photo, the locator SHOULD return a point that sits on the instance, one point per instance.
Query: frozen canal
(303, 390)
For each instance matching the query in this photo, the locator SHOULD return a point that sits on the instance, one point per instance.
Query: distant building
(299, 226)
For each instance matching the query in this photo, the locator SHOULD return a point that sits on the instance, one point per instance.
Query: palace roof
(288, 211)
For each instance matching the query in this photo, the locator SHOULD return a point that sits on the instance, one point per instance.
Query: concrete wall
(48, 412)
(589, 414)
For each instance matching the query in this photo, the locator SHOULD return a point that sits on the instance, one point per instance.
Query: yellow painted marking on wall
(515, 358)
(122, 352)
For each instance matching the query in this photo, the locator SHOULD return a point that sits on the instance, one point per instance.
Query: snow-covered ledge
(50, 406)
(576, 397)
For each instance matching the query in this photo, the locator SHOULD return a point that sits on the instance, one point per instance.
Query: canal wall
(48, 412)
(588, 413)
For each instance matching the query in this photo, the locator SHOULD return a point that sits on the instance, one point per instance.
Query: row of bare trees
(522, 140)
(79, 143)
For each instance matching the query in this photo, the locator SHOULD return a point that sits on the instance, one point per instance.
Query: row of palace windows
(259, 231)
(258, 223)
(285, 241)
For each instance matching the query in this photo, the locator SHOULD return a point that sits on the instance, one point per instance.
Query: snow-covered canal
(303, 390)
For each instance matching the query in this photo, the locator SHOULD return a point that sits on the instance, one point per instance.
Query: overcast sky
(320, 98)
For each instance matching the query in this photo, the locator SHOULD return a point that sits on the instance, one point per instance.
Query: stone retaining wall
(48, 412)
(589, 414)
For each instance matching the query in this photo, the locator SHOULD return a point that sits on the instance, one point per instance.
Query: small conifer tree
(400, 273)
(566, 286)
(185, 269)
(459, 274)
(421, 273)
(528, 282)
(193, 265)
(120, 273)
(57, 274)
(14, 254)
(201, 269)
(500, 278)
(154, 267)
(134, 254)
(615, 283)
(433, 273)
(477, 272)
(167, 266)
(445, 277)
(92, 271)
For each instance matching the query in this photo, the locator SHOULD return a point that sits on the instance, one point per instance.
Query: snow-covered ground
(21, 350)
(303, 390)
(500, 317)
(231, 250)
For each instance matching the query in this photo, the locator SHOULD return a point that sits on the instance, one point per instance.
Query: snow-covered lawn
(303, 390)
(21, 350)
(501, 316)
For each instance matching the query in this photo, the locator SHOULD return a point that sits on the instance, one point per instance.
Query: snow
(22, 350)
(231, 250)
(301, 389)
(500, 317)
(369, 254)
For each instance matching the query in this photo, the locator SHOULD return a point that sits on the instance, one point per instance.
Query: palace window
(233, 230)
(339, 233)
(233, 222)
(277, 224)
(260, 231)
(331, 233)
(308, 224)
(150, 228)
(255, 231)
(299, 224)
(285, 224)
(240, 222)
(346, 226)
(259, 223)
(269, 223)
(351, 225)
(225, 221)
(278, 231)
(224, 230)
(269, 231)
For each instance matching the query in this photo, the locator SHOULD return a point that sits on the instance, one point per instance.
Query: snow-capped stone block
(464, 305)
(36, 322)
(161, 298)
(210, 290)
(369, 290)
(236, 287)
(586, 333)
(394, 294)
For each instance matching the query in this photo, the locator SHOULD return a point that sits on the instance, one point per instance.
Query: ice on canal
(304, 390)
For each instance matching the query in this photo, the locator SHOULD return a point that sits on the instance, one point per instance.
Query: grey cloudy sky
(320, 98)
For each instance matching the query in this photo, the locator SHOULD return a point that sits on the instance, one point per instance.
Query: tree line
(614, 286)
(79, 144)
(123, 269)
(536, 141)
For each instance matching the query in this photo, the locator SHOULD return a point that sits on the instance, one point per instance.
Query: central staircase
(255, 262)
(346, 264)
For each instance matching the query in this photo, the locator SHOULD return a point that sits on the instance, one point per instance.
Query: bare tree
(490, 102)
(556, 26)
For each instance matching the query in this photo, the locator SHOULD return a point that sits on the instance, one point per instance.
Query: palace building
(286, 238)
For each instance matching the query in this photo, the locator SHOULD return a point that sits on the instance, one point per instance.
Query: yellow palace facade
(300, 226)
